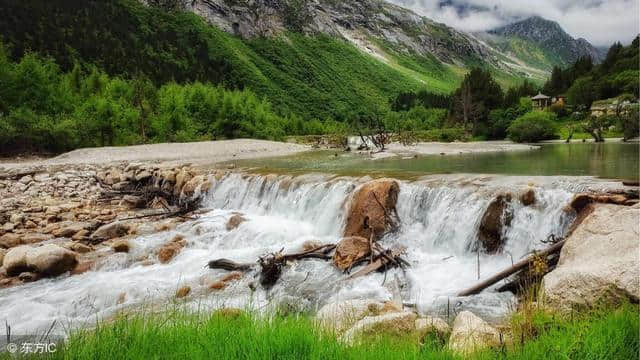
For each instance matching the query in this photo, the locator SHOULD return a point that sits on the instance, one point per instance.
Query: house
(541, 101)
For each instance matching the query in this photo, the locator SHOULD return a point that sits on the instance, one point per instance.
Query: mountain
(549, 38)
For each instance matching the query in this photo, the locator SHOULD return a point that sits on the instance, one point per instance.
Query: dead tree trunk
(510, 271)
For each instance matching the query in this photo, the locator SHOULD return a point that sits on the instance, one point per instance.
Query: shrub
(630, 123)
(532, 127)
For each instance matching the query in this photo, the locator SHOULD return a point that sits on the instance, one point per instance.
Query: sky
(601, 22)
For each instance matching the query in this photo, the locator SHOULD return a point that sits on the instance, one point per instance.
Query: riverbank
(233, 334)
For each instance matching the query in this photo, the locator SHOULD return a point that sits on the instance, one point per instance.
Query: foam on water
(439, 224)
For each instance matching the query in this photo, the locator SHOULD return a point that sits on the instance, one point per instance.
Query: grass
(563, 132)
(598, 334)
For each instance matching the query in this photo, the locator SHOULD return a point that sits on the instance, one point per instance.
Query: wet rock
(81, 235)
(349, 250)
(170, 249)
(134, 202)
(34, 238)
(121, 246)
(310, 245)
(599, 261)
(50, 260)
(3, 252)
(432, 324)
(496, 218)
(192, 185)
(70, 230)
(372, 209)
(394, 323)
(470, 333)
(15, 260)
(142, 175)
(224, 281)
(82, 267)
(80, 248)
(182, 177)
(183, 292)
(235, 221)
(528, 197)
(112, 230)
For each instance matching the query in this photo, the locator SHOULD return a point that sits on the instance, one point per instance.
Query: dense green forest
(95, 73)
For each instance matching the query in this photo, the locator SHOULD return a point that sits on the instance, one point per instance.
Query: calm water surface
(609, 160)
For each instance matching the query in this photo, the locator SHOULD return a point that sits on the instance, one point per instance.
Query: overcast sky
(600, 21)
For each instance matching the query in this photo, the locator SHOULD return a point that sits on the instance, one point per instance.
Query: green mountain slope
(312, 76)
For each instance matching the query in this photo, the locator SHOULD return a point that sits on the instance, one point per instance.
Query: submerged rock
(235, 221)
(470, 333)
(497, 216)
(183, 292)
(121, 246)
(372, 209)
(599, 261)
(349, 250)
(170, 249)
(528, 197)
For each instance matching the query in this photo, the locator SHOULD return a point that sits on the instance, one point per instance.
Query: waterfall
(439, 222)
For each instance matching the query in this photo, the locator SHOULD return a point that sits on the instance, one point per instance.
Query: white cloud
(600, 21)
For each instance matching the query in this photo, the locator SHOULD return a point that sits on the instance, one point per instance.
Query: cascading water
(439, 223)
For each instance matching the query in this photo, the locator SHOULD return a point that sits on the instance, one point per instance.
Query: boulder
(15, 260)
(599, 261)
(372, 209)
(3, 252)
(170, 249)
(496, 218)
(432, 324)
(341, 315)
(50, 260)
(349, 250)
(28, 276)
(182, 177)
(528, 197)
(121, 246)
(69, 231)
(235, 221)
(134, 202)
(470, 333)
(189, 189)
(35, 238)
(111, 230)
(394, 323)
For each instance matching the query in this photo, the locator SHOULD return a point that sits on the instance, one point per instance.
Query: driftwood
(511, 270)
(385, 258)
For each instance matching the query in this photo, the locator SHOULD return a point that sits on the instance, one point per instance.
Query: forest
(143, 75)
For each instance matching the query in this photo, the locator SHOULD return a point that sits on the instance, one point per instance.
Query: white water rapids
(439, 222)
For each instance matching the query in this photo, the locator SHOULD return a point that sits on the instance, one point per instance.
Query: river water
(439, 218)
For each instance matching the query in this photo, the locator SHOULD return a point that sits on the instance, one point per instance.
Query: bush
(532, 127)
(630, 123)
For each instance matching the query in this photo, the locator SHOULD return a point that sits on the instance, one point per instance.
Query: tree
(468, 110)
(533, 127)
(478, 94)
(143, 99)
(596, 125)
(582, 93)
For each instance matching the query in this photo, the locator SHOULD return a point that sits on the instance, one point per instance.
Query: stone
(170, 249)
(51, 260)
(16, 218)
(15, 260)
(235, 221)
(217, 285)
(496, 218)
(310, 245)
(182, 178)
(394, 323)
(528, 197)
(82, 267)
(599, 261)
(34, 238)
(80, 248)
(8, 226)
(70, 230)
(53, 210)
(26, 179)
(10, 240)
(81, 235)
(183, 292)
(112, 230)
(121, 246)
(135, 202)
(372, 209)
(432, 324)
(143, 175)
(470, 333)
(3, 252)
(189, 189)
(349, 250)
(340, 316)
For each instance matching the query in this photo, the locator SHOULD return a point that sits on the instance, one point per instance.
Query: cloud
(602, 22)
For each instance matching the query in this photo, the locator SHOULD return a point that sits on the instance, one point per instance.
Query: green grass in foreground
(611, 334)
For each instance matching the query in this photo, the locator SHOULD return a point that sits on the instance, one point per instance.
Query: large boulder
(10, 240)
(349, 250)
(398, 323)
(50, 260)
(470, 333)
(432, 324)
(496, 218)
(372, 209)
(599, 261)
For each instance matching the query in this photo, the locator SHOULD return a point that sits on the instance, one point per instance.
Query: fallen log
(380, 262)
(229, 265)
(511, 270)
